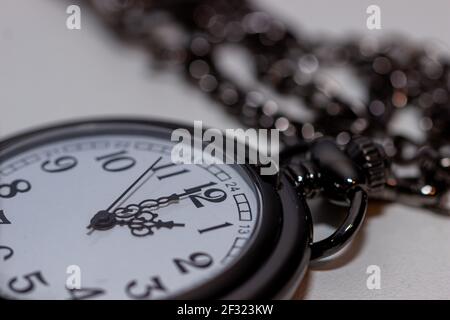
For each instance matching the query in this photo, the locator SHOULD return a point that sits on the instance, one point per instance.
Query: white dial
(112, 214)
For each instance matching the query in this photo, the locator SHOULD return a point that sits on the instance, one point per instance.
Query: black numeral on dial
(85, 293)
(7, 255)
(12, 189)
(117, 161)
(217, 227)
(3, 219)
(198, 260)
(169, 173)
(146, 293)
(27, 283)
(210, 195)
(60, 164)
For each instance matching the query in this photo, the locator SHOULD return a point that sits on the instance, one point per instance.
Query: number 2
(197, 260)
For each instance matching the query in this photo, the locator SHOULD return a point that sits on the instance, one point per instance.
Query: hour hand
(154, 204)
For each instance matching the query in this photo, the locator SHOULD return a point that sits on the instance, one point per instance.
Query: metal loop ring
(358, 206)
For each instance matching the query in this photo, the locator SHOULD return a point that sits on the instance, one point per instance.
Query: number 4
(3, 219)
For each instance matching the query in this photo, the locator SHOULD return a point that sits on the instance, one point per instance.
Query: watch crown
(371, 159)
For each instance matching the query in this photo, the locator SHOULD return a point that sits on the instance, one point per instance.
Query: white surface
(48, 73)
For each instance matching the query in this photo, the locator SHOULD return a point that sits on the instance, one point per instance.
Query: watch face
(100, 211)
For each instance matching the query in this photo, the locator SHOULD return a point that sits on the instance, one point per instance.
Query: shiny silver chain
(397, 76)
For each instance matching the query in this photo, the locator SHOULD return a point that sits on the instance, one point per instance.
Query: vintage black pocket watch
(104, 196)
(102, 199)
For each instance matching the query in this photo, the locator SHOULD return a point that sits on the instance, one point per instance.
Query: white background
(48, 73)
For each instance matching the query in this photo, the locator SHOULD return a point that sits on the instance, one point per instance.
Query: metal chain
(397, 76)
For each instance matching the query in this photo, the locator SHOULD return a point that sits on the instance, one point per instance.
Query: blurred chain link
(396, 74)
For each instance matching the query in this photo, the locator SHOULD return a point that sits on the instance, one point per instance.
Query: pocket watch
(103, 198)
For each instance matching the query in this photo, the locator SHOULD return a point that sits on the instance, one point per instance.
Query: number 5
(29, 279)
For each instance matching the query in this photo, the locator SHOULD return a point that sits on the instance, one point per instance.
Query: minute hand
(132, 185)
(105, 219)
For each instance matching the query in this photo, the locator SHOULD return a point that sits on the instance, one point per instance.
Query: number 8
(17, 186)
